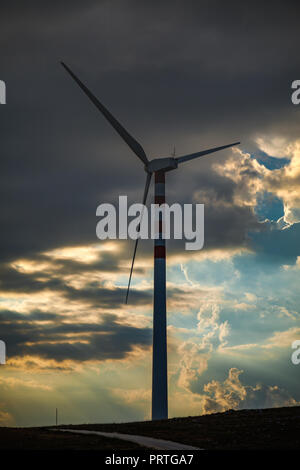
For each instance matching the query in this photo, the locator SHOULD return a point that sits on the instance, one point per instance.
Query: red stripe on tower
(159, 200)
(159, 252)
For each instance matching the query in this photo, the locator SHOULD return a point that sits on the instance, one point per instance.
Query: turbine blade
(186, 158)
(147, 185)
(133, 144)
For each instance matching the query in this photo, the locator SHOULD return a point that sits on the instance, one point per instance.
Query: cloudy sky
(193, 74)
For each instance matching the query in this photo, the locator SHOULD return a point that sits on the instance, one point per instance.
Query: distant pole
(56, 416)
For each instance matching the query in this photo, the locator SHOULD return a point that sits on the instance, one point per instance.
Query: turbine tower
(158, 166)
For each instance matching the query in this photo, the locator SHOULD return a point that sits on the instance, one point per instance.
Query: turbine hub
(161, 164)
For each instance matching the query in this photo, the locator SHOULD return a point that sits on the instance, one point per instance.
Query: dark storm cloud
(169, 71)
(107, 298)
(226, 223)
(92, 293)
(106, 340)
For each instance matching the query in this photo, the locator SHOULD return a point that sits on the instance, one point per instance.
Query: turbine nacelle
(161, 164)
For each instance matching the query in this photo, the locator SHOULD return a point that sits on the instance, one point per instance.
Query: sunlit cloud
(82, 254)
(275, 146)
(31, 266)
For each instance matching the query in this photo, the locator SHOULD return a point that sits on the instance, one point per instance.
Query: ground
(42, 439)
(276, 428)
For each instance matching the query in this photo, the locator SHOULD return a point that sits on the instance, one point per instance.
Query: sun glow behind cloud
(82, 254)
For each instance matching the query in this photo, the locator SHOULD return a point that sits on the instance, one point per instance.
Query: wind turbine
(158, 166)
